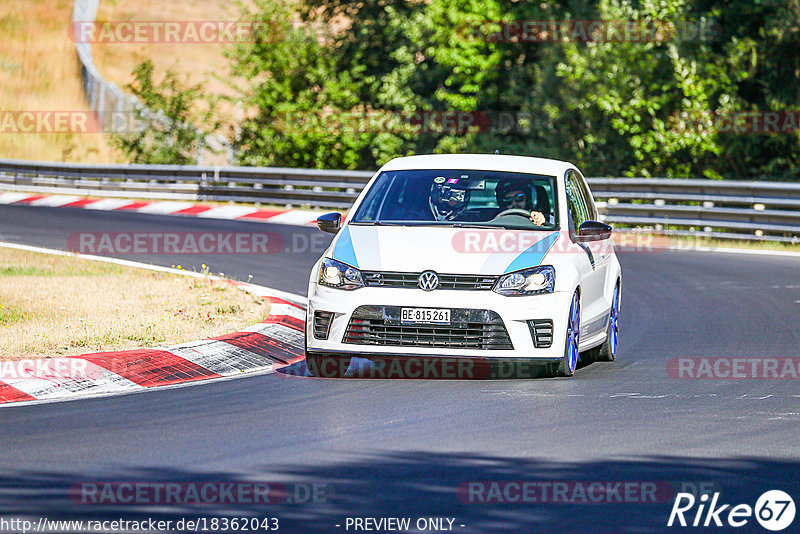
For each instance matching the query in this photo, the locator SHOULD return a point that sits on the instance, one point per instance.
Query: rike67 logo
(774, 510)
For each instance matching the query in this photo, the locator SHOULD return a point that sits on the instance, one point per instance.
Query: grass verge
(40, 71)
(61, 305)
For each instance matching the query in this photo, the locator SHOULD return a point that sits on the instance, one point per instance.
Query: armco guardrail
(105, 98)
(266, 185)
(715, 208)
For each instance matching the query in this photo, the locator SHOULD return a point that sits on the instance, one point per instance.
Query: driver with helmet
(515, 194)
(449, 198)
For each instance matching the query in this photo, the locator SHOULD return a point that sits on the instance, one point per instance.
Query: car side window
(578, 213)
(591, 209)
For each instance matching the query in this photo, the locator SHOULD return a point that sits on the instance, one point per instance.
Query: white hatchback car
(468, 256)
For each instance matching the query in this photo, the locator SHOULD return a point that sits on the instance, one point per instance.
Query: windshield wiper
(378, 223)
(470, 225)
(467, 225)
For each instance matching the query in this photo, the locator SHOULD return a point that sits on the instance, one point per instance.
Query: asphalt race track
(401, 448)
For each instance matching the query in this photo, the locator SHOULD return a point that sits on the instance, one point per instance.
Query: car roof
(480, 162)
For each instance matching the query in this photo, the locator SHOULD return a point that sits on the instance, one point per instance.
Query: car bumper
(515, 313)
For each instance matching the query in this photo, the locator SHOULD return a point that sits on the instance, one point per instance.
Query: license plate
(425, 315)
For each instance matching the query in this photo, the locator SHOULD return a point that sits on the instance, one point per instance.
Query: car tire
(569, 361)
(607, 352)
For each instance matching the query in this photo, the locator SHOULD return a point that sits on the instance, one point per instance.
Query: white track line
(106, 204)
(102, 381)
(277, 331)
(54, 201)
(725, 250)
(164, 208)
(226, 212)
(221, 358)
(294, 217)
(100, 394)
(10, 198)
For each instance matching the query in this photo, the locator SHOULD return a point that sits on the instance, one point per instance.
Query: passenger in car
(515, 194)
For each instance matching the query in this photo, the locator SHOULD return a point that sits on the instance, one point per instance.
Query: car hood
(441, 249)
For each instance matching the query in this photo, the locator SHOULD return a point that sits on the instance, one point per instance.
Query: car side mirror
(330, 222)
(594, 231)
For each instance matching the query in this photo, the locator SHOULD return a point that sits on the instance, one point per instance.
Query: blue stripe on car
(533, 255)
(343, 251)
(369, 247)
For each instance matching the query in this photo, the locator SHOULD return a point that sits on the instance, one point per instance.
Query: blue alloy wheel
(608, 350)
(568, 363)
(613, 327)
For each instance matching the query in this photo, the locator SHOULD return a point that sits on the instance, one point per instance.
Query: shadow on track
(427, 368)
(425, 484)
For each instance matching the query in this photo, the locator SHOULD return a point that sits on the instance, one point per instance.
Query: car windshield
(460, 198)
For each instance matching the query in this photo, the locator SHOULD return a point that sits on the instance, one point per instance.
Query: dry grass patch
(199, 63)
(61, 305)
(40, 71)
(195, 63)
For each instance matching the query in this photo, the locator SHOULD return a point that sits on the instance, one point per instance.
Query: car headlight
(336, 274)
(533, 281)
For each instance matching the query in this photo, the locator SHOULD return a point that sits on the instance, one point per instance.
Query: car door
(600, 249)
(593, 260)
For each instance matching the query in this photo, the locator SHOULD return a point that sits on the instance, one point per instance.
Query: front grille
(468, 329)
(322, 324)
(446, 281)
(541, 332)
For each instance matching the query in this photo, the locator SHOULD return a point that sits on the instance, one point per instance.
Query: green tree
(614, 107)
(761, 38)
(167, 135)
(296, 94)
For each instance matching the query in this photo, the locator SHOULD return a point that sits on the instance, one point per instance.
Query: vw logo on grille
(428, 281)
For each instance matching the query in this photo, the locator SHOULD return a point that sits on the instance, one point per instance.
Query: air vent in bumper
(469, 329)
(322, 324)
(541, 332)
